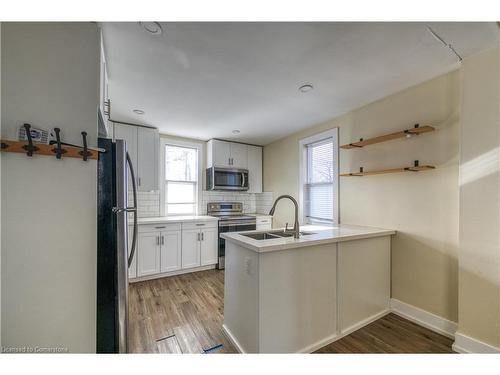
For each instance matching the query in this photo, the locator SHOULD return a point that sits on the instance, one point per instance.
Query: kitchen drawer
(158, 227)
(200, 224)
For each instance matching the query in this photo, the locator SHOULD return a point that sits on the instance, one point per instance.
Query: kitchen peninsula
(285, 295)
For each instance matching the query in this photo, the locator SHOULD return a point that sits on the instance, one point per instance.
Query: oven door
(227, 179)
(223, 228)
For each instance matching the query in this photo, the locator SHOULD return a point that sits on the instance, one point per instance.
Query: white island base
(296, 296)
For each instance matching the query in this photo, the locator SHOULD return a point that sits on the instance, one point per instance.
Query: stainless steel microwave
(227, 179)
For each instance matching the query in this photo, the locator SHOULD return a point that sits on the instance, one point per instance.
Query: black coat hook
(30, 148)
(58, 150)
(85, 152)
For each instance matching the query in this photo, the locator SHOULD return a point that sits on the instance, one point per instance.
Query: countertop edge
(313, 242)
(167, 220)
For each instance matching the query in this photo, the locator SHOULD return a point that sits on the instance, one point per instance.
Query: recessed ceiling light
(152, 27)
(138, 111)
(306, 88)
(236, 131)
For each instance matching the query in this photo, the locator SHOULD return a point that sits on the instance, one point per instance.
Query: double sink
(272, 235)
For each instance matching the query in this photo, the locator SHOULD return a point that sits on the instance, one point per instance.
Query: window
(320, 178)
(181, 179)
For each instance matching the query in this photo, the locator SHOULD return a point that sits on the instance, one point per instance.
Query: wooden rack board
(389, 137)
(44, 149)
(393, 170)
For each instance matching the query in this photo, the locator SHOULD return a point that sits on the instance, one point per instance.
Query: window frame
(167, 141)
(304, 170)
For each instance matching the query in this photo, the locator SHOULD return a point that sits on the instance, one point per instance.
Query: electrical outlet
(247, 266)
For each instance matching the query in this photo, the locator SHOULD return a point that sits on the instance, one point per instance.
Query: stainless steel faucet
(296, 230)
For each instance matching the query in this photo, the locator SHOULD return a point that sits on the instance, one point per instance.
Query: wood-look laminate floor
(184, 314)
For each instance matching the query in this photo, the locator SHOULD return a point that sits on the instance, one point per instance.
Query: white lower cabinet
(199, 247)
(173, 247)
(208, 246)
(170, 254)
(148, 259)
(190, 248)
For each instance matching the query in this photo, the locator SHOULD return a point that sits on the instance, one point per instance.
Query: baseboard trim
(424, 318)
(227, 332)
(466, 344)
(172, 273)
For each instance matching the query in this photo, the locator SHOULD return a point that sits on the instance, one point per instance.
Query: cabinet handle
(199, 225)
(202, 236)
(162, 240)
(157, 240)
(198, 236)
(159, 227)
(139, 181)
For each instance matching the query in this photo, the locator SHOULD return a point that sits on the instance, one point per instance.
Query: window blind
(318, 189)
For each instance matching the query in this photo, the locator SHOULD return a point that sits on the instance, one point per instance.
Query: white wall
(50, 77)
(479, 256)
(422, 207)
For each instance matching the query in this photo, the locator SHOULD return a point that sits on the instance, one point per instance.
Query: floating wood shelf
(415, 168)
(44, 149)
(417, 129)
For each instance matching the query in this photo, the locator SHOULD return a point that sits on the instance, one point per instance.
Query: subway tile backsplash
(252, 203)
(148, 203)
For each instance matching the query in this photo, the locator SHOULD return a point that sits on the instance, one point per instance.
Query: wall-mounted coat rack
(415, 168)
(54, 148)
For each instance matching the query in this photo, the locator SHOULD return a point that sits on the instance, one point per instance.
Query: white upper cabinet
(147, 159)
(219, 153)
(254, 169)
(142, 146)
(239, 158)
(226, 154)
(104, 95)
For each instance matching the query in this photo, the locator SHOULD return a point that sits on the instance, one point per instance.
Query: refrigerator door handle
(132, 209)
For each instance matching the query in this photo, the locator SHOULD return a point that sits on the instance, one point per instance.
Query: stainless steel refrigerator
(113, 253)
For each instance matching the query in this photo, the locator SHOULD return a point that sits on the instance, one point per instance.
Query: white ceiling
(202, 80)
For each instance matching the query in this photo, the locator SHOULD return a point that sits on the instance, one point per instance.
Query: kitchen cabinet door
(239, 156)
(129, 134)
(190, 248)
(148, 257)
(171, 252)
(221, 153)
(147, 159)
(254, 169)
(209, 246)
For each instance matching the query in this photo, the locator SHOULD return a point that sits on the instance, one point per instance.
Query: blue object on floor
(213, 348)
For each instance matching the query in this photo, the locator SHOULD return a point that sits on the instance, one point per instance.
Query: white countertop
(322, 235)
(173, 219)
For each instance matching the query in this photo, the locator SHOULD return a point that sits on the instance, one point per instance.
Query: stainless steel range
(231, 219)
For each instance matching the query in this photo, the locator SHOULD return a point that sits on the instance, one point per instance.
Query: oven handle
(237, 223)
